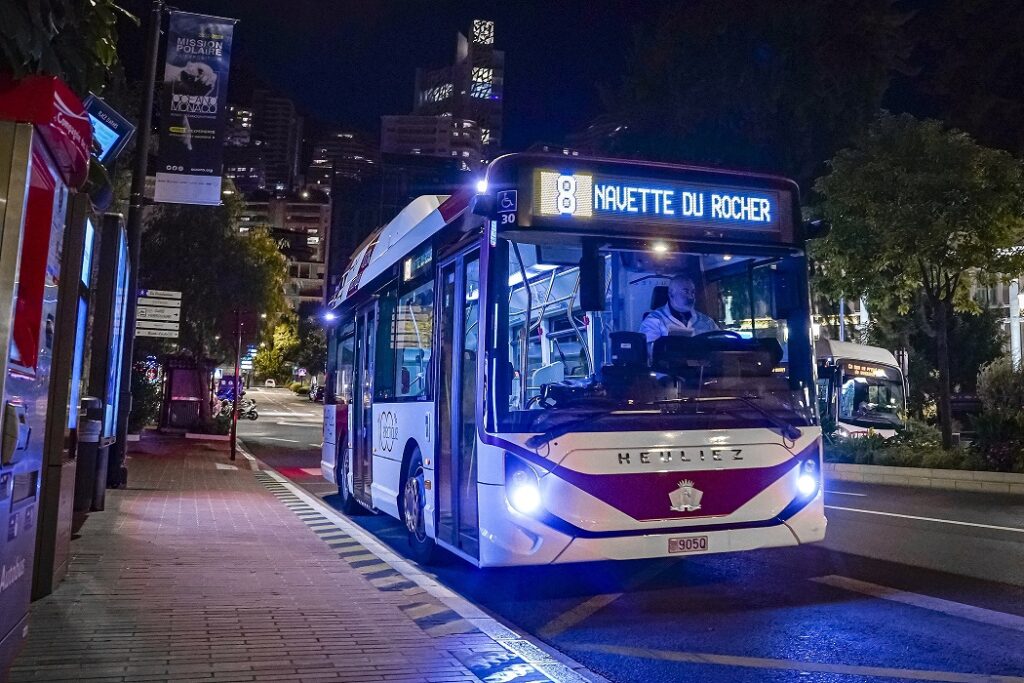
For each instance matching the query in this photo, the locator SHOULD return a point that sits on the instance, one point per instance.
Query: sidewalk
(206, 570)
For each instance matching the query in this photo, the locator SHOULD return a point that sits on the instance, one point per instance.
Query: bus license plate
(690, 544)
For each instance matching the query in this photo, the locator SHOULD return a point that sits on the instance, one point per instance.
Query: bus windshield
(871, 395)
(687, 338)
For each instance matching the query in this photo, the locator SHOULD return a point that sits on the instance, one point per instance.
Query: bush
(146, 401)
(916, 445)
(298, 388)
(1001, 386)
(999, 429)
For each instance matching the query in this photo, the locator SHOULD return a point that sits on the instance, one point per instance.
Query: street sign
(158, 313)
(154, 313)
(155, 325)
(160, 294)
(164, 334)
(246, 365)
(162, 303)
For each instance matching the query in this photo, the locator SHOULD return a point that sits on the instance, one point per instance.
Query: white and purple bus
(488, 383)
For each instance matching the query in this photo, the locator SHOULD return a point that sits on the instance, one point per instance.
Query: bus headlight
(807, 482)
(522, 487)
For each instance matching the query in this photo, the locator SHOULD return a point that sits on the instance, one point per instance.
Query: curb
(546, 659)
(925, 477)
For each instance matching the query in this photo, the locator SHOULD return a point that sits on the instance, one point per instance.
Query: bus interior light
(659, 248)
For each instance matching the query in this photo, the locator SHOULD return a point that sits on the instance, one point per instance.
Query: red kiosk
(45, 140)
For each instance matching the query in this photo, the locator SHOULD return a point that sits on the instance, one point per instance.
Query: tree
(921, 210)
(75, 40)
(769, 85)
(199, 251)
(976, 338)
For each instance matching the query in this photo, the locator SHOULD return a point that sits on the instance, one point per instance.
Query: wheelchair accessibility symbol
(507, 201)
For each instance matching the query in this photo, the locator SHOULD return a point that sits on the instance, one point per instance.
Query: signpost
(158, 314)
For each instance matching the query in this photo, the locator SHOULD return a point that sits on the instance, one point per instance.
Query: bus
(489, 386)
(861, 389)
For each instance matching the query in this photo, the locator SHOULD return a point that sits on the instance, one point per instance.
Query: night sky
(351, 62)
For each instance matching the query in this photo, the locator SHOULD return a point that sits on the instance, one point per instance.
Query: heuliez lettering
(665, 457)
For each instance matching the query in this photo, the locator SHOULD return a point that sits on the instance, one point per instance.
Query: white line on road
(788, 665)
(948, 607)
(583, 611)
(277, 438)
(927, 519)
(846, 493)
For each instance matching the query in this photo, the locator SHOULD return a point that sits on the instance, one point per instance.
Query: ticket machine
(45, 138)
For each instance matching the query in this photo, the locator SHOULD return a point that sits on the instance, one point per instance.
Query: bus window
(414, 332)
(384, 384)
(730, 345)
(343, 378)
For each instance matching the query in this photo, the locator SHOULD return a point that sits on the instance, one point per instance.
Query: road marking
(789, 665)
(927, 519)
(846, 493)
(547, 660)
(277, 438)
(583, 611)
(948, 607)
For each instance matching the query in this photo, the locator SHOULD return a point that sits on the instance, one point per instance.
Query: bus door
(362, 408)
(456, 461)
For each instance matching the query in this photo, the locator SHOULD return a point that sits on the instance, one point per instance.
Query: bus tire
(422, 547)
(349, 505)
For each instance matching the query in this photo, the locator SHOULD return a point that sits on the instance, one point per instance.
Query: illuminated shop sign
(589, 196)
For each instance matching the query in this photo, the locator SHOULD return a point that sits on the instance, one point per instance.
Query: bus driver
(678, 316)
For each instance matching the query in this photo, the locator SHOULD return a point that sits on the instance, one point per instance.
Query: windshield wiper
(789, 431)
(538, 440)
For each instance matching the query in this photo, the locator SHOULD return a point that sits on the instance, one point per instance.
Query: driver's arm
(653, 328)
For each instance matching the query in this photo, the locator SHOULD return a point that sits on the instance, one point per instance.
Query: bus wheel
(349, 505)
(413, 502)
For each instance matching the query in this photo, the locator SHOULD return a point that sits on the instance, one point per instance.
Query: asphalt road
(910, 584)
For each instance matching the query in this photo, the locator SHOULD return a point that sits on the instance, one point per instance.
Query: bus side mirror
(592, 280)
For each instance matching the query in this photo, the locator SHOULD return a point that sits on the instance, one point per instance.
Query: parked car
(270, 383)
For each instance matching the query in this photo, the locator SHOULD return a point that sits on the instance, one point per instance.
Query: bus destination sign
(588, 196)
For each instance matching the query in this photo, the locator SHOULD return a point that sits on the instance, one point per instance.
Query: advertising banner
(194, 109)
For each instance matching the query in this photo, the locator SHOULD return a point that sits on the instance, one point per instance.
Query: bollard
(85, 452)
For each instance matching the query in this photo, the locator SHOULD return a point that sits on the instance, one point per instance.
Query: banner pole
(133, 226)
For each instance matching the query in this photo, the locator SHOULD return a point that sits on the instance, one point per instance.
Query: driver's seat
(659, 297)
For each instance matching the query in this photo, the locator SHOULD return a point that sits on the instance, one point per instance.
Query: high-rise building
(341, 154)
(239, 129)
(300, 223)
(277, 124)
(433, 136)
(471, 88)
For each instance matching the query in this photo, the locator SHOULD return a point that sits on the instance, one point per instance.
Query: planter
(924, 477)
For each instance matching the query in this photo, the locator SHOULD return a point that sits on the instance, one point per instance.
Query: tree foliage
(198, 250)
(73, 39)
(920, 210)
(760, 84)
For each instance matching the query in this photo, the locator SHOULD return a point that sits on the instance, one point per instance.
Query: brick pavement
(203, 572)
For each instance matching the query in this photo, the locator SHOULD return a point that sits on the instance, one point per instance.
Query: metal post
(238, 389)
(134, 231)
(1015, 347)
(842, 319)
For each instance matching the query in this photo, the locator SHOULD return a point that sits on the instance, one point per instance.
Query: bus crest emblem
(686, 498)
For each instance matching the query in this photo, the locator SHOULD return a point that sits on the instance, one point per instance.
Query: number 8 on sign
(566, 194)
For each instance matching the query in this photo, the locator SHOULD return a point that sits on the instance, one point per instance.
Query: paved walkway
(206, 570)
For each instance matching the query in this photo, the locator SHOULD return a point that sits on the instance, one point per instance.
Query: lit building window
(482, 78)
(438, 93)
(483, 32)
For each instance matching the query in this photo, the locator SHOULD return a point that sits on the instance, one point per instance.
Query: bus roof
(830, 348)
(388, 244)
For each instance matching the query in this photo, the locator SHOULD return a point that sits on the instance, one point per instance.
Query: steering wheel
(721, 333)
